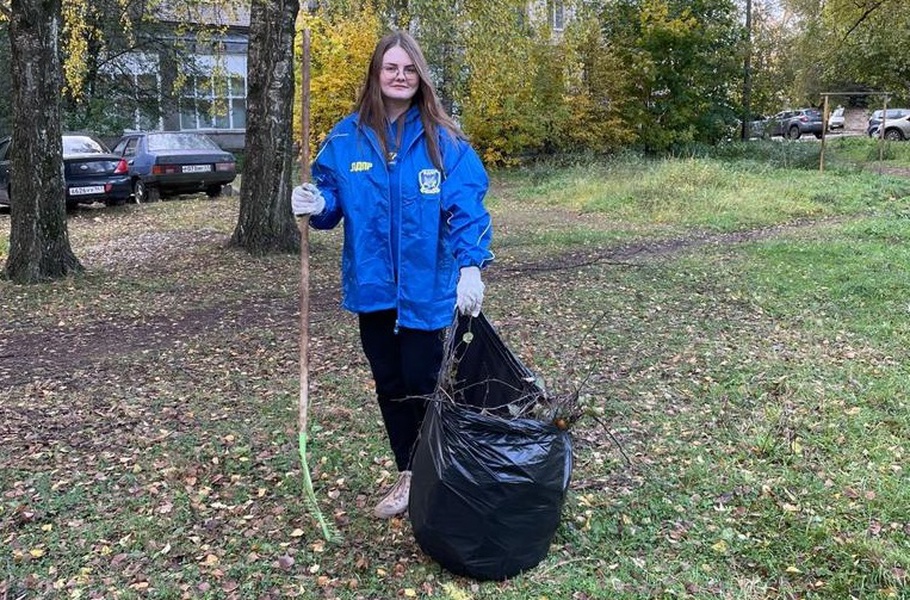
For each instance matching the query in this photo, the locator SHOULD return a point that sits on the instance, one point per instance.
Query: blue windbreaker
(442, 223)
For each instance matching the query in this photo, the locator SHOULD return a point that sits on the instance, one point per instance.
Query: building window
(238, 102)
(134, 98)
(213, 96)
(214, 103)
(557, 15)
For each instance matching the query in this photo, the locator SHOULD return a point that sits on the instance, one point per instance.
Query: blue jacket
(442, 224)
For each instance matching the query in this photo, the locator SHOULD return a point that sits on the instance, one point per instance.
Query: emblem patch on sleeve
(429, 181)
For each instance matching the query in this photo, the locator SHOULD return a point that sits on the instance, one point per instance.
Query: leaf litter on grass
(159, 460)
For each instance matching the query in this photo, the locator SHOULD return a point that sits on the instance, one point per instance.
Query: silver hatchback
(896, 130)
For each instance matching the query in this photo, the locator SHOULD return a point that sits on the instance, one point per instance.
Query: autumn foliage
(599, 83)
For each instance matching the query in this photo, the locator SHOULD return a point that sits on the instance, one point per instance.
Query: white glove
(470, 291)
(306, 199)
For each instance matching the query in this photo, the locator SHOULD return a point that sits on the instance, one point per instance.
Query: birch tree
(265, 223)
(39, 242)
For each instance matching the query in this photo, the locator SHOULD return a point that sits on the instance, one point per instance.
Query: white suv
(876, 118)
(895, 129)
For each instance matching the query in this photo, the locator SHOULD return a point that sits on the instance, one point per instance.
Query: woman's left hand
(469, 291)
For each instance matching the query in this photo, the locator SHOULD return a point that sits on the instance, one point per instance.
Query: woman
(410, 191)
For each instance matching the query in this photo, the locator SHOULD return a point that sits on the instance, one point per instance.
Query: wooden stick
(328, 532)
(304, 225)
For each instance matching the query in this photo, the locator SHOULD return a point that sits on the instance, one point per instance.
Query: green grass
(741, 329)
(844, 153)
(711, 194)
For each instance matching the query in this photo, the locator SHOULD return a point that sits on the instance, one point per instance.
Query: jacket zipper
(401, 153)
(398, 158)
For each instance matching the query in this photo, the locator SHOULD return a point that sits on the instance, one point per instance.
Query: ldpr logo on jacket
(360, 165)
(429, 181)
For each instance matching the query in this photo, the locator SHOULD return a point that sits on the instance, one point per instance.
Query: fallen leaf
(453, 592)
(210, 559)
(720, 547)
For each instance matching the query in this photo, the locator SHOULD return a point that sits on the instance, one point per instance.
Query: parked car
(895, 129)
(792, 124)
(757, 126)
(876, 118)
(168, 163)
(91, 173)
(836, 119)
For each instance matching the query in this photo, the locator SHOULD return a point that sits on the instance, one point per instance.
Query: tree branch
(862, 18)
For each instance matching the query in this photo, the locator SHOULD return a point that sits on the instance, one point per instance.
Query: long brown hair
(371, 108)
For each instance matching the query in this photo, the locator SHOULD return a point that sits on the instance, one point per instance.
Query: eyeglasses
(393, 71)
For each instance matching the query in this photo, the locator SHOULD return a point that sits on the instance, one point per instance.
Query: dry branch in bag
(495, 382)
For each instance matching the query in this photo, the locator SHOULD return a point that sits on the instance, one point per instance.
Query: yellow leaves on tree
(82, 36)
(339, 54)
(76, 37)
(499, 109)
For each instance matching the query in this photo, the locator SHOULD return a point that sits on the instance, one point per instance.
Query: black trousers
(405, 368)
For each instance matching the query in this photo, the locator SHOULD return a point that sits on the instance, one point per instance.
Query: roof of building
(226, 14)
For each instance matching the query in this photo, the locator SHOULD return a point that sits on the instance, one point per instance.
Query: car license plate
(197, 168)
(86, 190)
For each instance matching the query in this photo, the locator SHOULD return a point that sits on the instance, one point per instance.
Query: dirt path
(28, 354)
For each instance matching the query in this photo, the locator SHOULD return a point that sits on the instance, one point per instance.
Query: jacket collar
(413, 129)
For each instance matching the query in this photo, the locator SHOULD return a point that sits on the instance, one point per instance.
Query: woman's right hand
(307, 200)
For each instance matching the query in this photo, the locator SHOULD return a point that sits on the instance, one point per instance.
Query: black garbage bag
(487, 489)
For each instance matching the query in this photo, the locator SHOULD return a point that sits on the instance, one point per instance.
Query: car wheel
(144, 192)
(213, 191)
(793, 133)
(893, 135)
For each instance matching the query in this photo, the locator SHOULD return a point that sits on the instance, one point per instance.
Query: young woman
(409, 188)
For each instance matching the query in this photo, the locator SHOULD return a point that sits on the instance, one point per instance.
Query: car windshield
(81, 144)
(181, 141)
(893, 113)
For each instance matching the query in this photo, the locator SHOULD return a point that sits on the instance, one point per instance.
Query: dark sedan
(91, 173)
(168, 163)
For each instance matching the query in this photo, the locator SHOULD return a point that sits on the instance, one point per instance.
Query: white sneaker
(395, 501)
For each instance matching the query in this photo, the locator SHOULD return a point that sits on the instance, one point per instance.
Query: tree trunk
(747, 76)
(265, 224)
(39, 242)
(169, 104)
